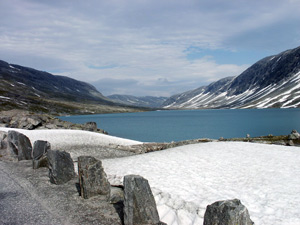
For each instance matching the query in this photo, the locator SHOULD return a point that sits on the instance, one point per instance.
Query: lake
(177, 125)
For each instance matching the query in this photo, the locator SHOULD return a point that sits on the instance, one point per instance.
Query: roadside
(28, 197)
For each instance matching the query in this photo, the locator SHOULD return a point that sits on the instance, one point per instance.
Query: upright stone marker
(139, 204)
(229, 212)
(61, 166)
(19, 145)
(39, 154)
(92, 178)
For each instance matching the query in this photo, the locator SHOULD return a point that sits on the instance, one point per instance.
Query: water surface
(177, 125)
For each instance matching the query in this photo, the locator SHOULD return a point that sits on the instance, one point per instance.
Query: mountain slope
(145, 101)
(271, 82)
(30, 89)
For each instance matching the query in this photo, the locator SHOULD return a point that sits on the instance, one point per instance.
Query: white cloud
(141, 40)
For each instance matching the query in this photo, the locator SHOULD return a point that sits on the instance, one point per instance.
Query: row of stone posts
(139, 207)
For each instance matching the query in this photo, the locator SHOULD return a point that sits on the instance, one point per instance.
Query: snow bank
(62, 138)
(186, 179)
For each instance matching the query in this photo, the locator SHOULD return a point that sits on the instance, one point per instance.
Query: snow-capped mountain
(271, 82)
(145, 101)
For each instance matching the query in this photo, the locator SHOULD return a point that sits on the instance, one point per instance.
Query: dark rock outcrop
(61, 167)
(19, 145)
(29, 121)
(139, 203)
(90, 126)
(39, 154)
(229, 212)
(92, 178)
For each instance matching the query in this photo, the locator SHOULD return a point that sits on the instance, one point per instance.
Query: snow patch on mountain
(271, 82)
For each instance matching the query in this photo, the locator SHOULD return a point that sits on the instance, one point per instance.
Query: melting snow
(4, 97)
(186, 179)
(60, 138)
(21, 83)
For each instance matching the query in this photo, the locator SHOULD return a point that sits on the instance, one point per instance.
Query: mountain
(271, 82)
(145, 101)
(34, 90)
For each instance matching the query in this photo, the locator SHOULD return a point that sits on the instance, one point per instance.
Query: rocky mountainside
(145, 101)
(271, 82)
(34, 90)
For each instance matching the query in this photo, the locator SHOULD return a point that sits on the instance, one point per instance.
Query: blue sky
(146, 47)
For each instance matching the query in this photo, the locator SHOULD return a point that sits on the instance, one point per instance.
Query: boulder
(139, 203)
(228, 212)
(92, 178)
(116, 195)
(40, 148)
(3, 140)
(3, 135)
(39, 154)
(5, 119)
(294, 135)
(19, 145)
(61, 167)
(90, 126)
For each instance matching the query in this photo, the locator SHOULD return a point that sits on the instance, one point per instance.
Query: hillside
(271, 82)
(38, 91)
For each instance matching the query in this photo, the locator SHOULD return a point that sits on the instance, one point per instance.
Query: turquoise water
(176, 125)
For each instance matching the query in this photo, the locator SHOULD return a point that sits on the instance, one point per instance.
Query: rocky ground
(50, 203)
(32, 121)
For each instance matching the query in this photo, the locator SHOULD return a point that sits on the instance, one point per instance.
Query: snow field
(186, 179)
(62, 137)
(78, 142)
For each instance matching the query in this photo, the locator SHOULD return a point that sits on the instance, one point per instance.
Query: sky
(146, 47)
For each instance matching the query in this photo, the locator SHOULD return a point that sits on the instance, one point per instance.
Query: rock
(139, 203)
(294, 135)
(40, 148)
(38, 163)
(281, 142)
(92, 178)
(228, 212)
(116, 195)
(27, 120)
(50, 126)
(90, 126)
(5, 119)
(3, 135)
(3, 140)
(19, 145)
(61, 167)
(290, 143)
(39, 154)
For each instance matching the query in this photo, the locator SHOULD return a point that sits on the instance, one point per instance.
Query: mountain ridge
(30, 89)
(273, 81)
(143, 101)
